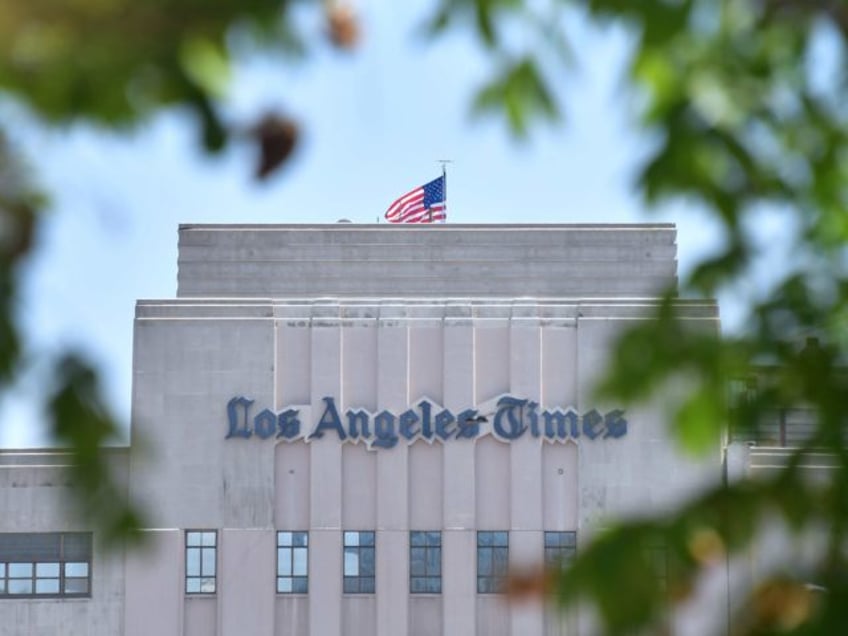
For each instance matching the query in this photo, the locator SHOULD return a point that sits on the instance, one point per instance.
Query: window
(425, 562)
(201, 561)
(560, 548)
(492, 561)
(45, 564)
(292, 562)
(358, 563)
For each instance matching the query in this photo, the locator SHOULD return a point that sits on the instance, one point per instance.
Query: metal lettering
(616, 424)
(513, 409)
(408, 420)
(238, 425)
(384, 430)
(513, 418)
(444, 420)
(329, 420)
(264, 424)
(592, 424)
(289, 424)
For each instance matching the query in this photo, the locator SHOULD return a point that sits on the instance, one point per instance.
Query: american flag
(424, 204)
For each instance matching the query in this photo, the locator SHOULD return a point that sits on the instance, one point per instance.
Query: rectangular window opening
(359, 562)
(46, 564)
(201, 561)
(492, 561)
(292, 562)
(425, 562)
(560, 548)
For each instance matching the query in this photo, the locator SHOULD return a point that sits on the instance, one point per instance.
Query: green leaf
(520, 93)
(700, 420)
(206, 64)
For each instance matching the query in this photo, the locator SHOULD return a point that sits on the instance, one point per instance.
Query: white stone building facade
(317, 397)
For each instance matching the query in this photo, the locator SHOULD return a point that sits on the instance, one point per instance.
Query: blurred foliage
(115, 63)
(79, 420)
(82, 425)
(744, 101)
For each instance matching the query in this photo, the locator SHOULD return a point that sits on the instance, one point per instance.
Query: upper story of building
(434, 261)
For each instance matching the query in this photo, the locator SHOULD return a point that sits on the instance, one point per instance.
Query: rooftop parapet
(430, 261)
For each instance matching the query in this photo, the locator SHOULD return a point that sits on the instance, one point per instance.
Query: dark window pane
(366, 538)
(76, 586)
(484, 538)
(300, 539)
(417, 562)
(301, 585)
(560, 548)
(500, 561)
(20, 546)
(500, 538)
(417, 538)
(434, 539)
(366, 562)
(366, 585)
(351, 585)
(434, 561)
(417, 585)
(434, 585)
(76, 546)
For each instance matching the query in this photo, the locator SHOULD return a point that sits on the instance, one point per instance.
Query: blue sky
(374, 124)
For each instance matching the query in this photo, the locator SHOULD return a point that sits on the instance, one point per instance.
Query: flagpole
(444, 163)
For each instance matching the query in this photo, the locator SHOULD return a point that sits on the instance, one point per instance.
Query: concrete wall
(376, 318)
(459, 261)
(36, 496)
(197, 355)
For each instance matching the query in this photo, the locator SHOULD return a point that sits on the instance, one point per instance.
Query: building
(353, 429)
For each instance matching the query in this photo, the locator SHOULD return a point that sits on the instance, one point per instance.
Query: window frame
(202, 548)
(361, 549)
(560, 548)
(494, 544)
(423, 542)
(40, 568)
(292, 549)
